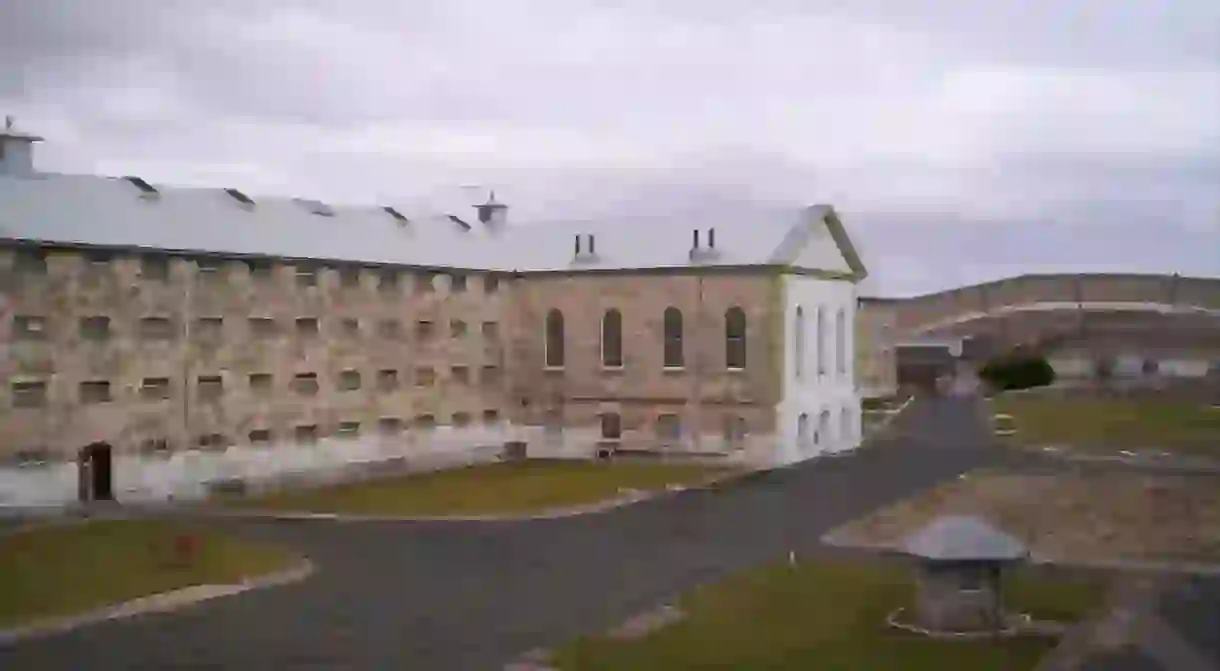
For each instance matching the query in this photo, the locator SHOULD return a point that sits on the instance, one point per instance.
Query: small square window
(210, 387)
(349, 278)
(156, 328)
(155, 448)
(460, 374)
(30, 262)
(389, 425)
(390, 329)
(154, 268)
(306, 433)
(95, 391)
(491, 331)
(213, 442)
(210, 269)
(425, 377)
(260, 436)
(457, 284)
(424, 330)
(210, 328)
(491, 416)
(29, 394)
(97, 259)
(350, 327)
(490, 376)
(457, 328)
(262, 327)
(305, 384)
(348, 429)
(426, 283)
(260, 382)
(460, 420)
(425, 422)
(307, 276)
(491, 283)
(26, 327)
(387, 281)
(307, 327)
(259, 270)
(95, 328)
(387, 380)
(155, 389)
(349, 380)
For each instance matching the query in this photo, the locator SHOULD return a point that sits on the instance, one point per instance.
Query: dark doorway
(97, 473)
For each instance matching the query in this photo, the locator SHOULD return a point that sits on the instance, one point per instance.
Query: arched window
(823, 426)
(735, 338)
(612, 339)
(802, 432)
(672, 327)
(734, 431)
(821, 335)
(798, 343)
(846, 434)
(554, 339)
(841, 341)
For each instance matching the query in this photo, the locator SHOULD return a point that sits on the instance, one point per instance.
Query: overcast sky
(961, 140)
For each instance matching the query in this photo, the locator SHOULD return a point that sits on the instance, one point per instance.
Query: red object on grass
(185, 547)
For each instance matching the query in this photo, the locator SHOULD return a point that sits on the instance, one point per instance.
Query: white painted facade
(819, 411)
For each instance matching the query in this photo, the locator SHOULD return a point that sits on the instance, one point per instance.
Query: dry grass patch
(1112, 423)
(503, 488)
(1068, 518)
(68, 569)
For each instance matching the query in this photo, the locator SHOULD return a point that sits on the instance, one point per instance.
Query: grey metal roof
(118, 212)
(963, 538)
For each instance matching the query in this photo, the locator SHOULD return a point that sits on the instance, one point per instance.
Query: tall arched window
(846, 434)
(554, 339)
(798, 343)
(821, 335)
(673, 355)
(735, 338)
(841, 341)
(612, 339)
(802, 433)
(824, 426)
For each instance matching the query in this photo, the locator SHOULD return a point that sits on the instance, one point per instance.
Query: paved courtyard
(457, 595)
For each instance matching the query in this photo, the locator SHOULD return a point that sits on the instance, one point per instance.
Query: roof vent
(458, 220)
(147, 191)
(398, 216)
(585, 248)
(493, 214)
(316, 207)
(240, 197)
(703, 248)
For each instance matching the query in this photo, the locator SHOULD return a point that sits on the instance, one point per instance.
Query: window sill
(673, 369)
(612, 370)
(552, 369)
(735, 371)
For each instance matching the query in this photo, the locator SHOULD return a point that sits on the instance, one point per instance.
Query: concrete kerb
(156, 603)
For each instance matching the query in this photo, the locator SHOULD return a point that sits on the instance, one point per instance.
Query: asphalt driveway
(458, 596)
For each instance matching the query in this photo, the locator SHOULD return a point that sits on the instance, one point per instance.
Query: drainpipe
(186, 362)
(698, 367)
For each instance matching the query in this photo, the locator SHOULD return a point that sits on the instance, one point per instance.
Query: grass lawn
(1100, 423)
(509, 487)
(824, 616)
(68, 569)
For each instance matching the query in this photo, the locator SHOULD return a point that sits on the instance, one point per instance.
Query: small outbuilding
(960, 560)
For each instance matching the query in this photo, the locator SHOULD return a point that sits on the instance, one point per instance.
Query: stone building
(193, 334)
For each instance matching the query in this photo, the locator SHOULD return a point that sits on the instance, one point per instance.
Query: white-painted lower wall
(1083, 364)
(828, 400)
(185, 475)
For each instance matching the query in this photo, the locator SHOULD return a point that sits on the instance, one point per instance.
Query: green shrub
(1017, 371)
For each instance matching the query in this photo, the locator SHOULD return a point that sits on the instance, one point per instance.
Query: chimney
(492, 214)
(16, 151)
